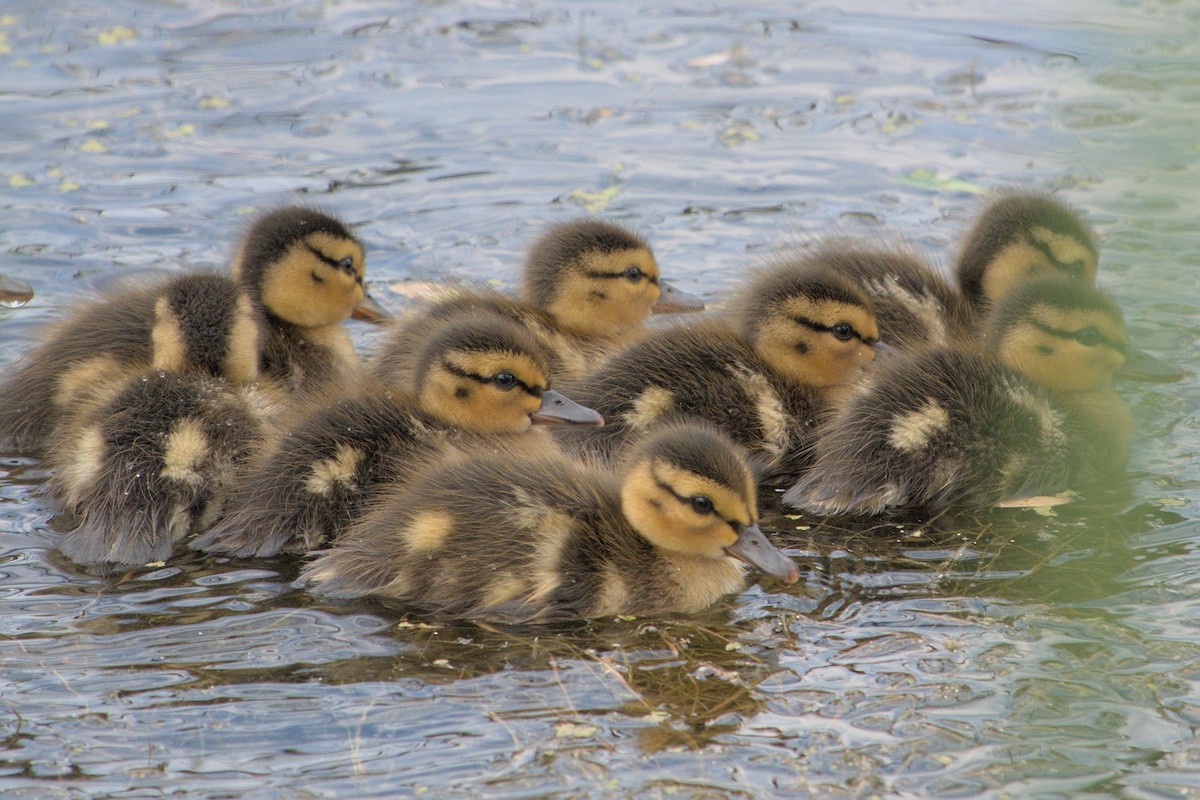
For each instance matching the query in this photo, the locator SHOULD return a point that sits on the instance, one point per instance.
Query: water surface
(1001, 655)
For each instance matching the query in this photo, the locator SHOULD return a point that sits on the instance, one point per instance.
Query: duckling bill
(668, 535)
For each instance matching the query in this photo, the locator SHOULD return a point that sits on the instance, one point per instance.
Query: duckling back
(701, 370)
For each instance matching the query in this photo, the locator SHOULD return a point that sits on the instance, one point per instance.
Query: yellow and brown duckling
(800, 336)
(950, 427)
(1021, 236)
(306, 270)
(1025, 235)
(915, 306)
(299, 267)
(588, 288)
(141, 462)
(668, 534)
(487, 377)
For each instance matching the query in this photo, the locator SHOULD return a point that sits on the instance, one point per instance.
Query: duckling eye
(504, 380)
(1088, 337)
(702, 504)
(634, 273)
(843, 331)
(346, 264)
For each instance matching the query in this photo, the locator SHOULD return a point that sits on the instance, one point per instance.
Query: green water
(999, 655)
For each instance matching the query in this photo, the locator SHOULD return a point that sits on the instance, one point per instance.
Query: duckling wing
(321, 475)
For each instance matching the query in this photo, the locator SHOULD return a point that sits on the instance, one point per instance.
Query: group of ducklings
(232, 413)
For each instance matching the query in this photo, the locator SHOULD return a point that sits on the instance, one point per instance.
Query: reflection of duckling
(589, 287)
(485, 376)
(302, 267)
(576, 541)
(143, 461)
(803, 333)
(949, 427)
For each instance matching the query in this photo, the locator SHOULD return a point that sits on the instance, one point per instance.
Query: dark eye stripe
(687, 501)
(1078, 336)
(819, 328)
(533, 391)
(621, 274)
(333, 262)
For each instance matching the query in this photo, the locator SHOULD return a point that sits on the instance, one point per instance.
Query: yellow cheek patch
(610, 308)
(1014, 264)
(428, 531)
(186, 450)
(1068, 250)
(336, 248)
(912, 431)
(291, 292)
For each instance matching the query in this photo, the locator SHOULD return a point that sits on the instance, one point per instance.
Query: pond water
(1001, 655)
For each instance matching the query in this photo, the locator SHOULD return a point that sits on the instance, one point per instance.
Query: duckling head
(811, 325)
(205, 323)
(306, 268)
(491, 376)
(599, 280)
(1023, 236)
(687, 489)
(1060, 333)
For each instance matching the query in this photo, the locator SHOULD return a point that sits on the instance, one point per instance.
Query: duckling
(486, 377)
(1023, 235)
(915, 306)
(665, 535)
(141, 462)
(300, 267)
(588, 288)
(1032, 415)
(800, 336)
(306, 271)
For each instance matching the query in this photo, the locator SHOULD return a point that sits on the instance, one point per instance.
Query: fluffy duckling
(915, 306)
(1024, 235)
(1019, 236)
(305, 269)
(666, 535)
(588, 288)
(954, 427)
(484, 376)
(800, 337)
(142, 462)
(299, 267)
